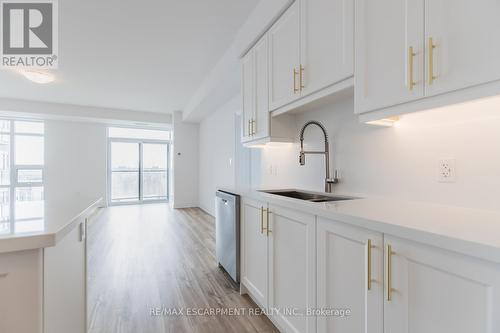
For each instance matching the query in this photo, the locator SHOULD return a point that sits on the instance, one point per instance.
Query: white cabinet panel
(255, 251)
(343, 271)
(247, 94)
(284, 53)
(65, 284)
(21, 291)
(292, 268)
(434, 291)
(327, 42)
(385, 31)
(262, 117)
(465, 34)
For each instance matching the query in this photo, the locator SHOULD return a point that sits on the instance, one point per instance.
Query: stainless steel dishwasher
(227, 226)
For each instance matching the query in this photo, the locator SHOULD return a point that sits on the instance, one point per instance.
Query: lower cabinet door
(292, 269)
(21, 292)
(65, 283)
(436, 291)
(254, 252)
(348, 301)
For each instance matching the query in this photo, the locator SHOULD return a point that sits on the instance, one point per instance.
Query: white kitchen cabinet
(21, 291)
(247, 95)
(311, 48)
(346, 263)
(389, 53)
(292, 268)
(464, 54)
(419, 54)
(44, 290)
(261, 101)
(254, 250)
(433, 290)
(327, 43)
(65, 283)
(284, 58)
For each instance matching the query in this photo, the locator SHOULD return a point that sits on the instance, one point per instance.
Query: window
(21, 175)
(138, 164)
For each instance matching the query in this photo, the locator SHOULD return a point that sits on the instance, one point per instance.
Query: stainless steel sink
(307, 196)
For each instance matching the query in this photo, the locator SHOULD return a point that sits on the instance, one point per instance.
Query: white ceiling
(148, 55)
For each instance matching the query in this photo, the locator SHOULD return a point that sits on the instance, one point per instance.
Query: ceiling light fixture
(38, 75)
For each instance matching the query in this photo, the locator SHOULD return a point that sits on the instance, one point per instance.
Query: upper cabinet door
(284, 52)
(389, 52)
(438, 291)
(247, 95)
(327, 43)
(261, 127)
(466, 49)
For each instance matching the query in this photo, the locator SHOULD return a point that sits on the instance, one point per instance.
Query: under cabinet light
(386, 122)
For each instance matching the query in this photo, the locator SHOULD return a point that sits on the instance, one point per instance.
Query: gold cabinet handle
(369, 268)
(295, 73)
(411, 56)
(262, 220)
(302, 77)
(431, 46)
(268, 230)
(389, 288)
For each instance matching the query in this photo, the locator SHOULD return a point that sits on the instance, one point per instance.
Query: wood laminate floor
(144, 257)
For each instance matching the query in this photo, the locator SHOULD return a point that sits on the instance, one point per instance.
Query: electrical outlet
(447, 171)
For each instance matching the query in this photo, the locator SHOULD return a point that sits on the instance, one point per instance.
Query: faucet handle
(302, 158)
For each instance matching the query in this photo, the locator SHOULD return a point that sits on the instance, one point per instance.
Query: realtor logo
(29, 34)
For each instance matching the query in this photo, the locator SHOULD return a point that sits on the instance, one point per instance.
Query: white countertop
(44, 231)
(468, 231)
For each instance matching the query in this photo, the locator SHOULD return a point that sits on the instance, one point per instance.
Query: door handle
(262, 219)
(369, 247)
(295, 73)
(431, 46)
(301, 79)
(389, 289)
(411, 56)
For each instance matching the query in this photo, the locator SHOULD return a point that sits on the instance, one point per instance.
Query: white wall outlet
(447, 171)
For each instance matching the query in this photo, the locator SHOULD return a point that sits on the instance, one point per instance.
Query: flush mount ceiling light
(38, 75)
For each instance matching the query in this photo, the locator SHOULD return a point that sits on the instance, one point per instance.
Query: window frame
(14, 168)
(140, 142)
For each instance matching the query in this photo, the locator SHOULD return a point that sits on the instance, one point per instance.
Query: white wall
(185, 163)
(399, 162)
(75, 160)
(217, 153)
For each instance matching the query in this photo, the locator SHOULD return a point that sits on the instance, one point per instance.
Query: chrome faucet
(302, 157)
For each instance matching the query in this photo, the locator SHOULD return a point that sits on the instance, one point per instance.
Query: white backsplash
(399, 162)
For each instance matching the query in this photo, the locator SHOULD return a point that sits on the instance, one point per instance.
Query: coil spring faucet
(302, 157)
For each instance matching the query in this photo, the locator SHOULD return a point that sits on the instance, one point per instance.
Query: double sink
(308, 196)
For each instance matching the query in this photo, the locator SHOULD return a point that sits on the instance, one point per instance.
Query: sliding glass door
(138, 171)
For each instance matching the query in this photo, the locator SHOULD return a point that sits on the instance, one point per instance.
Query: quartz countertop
(468, 231)
(44, 223)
